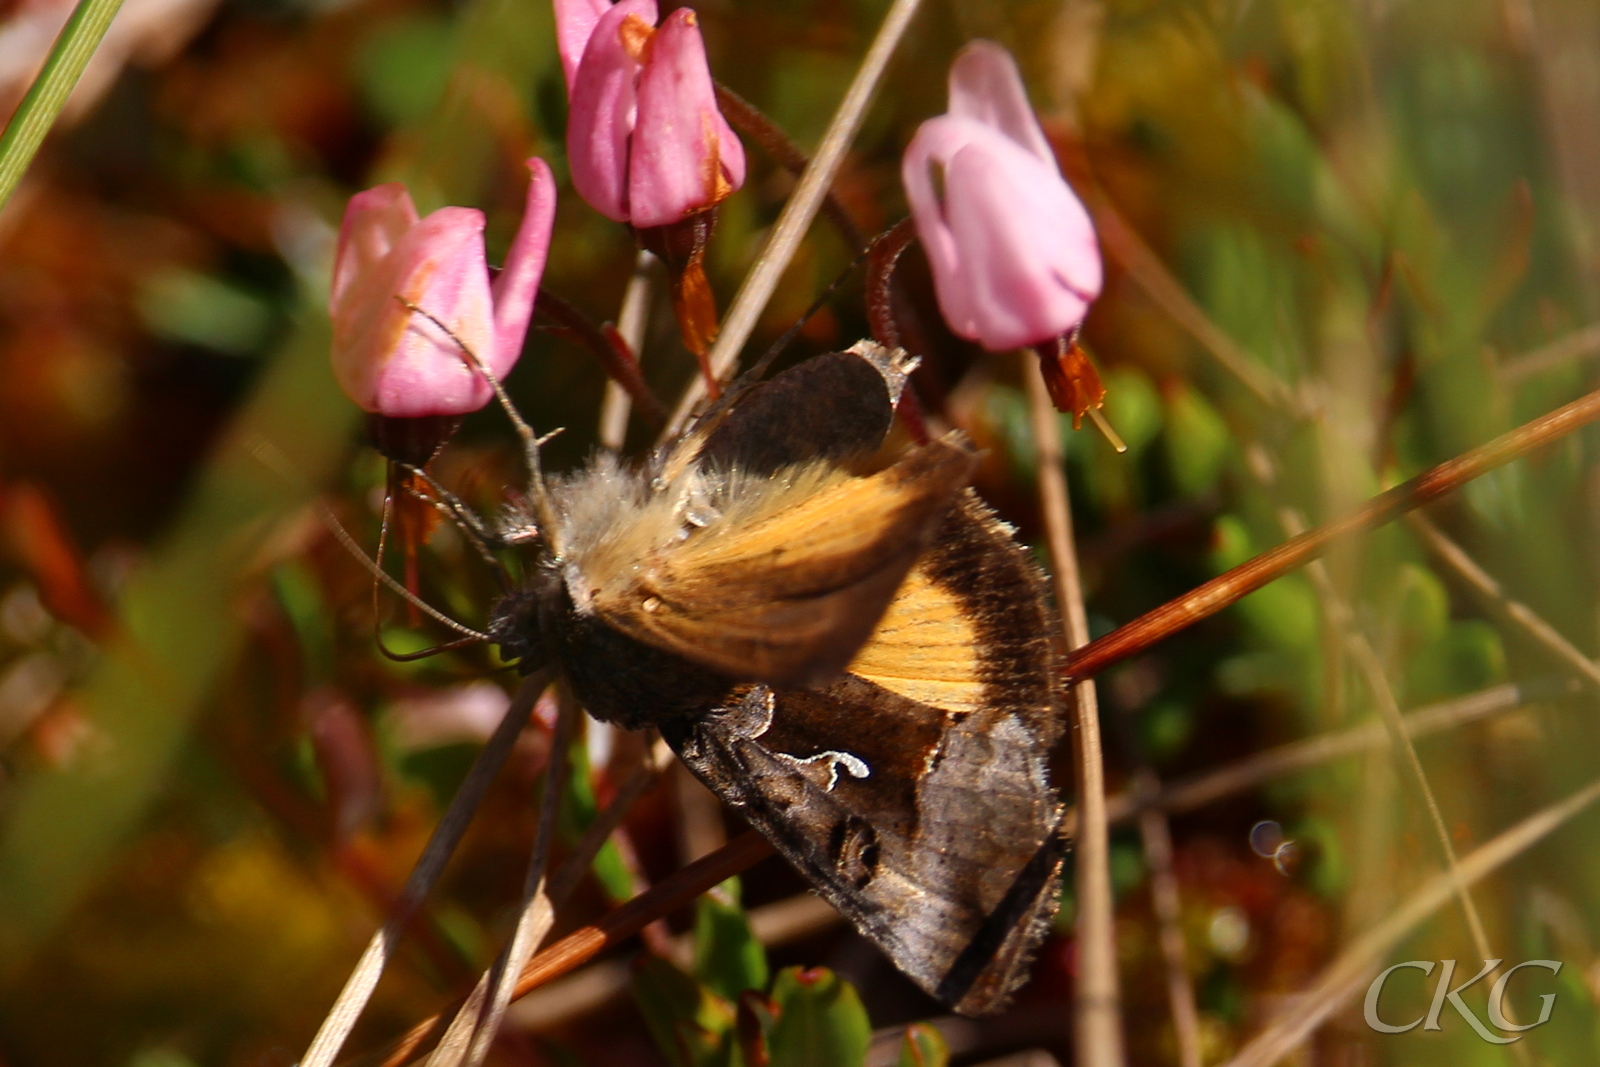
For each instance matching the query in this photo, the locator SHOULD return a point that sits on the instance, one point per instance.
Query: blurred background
(1344, 241)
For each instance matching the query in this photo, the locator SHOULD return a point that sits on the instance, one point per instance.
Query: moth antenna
(378, 631)
(410, 657)
(377, 559)
(543, 510)
(464, 518)
(335, 527)
(269, 456)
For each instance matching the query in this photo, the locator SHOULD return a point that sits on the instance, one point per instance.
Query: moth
(851, 652)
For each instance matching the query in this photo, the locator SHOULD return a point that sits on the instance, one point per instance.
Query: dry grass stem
(1124, 245)
(632, 319)
(605, 824)
(1202, 789)
(1371, 668)
(467, 1040)
(744, 117)
(774, 925)
(801, 208)
(363, 979)
(1097, 1033)
(1168, 907)
(1355, 966)
(582, 945)
(1494, 597)
(1574, 346)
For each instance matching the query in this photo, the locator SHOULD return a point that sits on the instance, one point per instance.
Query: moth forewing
(788, 590)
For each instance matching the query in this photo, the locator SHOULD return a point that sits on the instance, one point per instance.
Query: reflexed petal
(986, 87)
(517, 285)
(603, 110)
(374, 221)
(685, 156)
(575, 22)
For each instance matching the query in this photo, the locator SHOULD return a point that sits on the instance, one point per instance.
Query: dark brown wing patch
(933, 828)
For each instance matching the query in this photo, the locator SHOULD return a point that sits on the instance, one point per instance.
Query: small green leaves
(692, 1026)
(923, 1047)
(811, 1017)
(820, 1020)
(727, 957)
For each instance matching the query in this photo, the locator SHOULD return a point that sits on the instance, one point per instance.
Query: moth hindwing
(859, 659)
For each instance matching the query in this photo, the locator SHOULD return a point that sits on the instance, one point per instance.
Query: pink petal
(575, 22)
(517, 286)
(986, 86)
(685, 156)
(1012, 250)
(373, 221)
(393, 361)
(604, 105)
(934, 143)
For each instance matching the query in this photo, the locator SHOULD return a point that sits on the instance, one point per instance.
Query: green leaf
(405, 66)
(1424, 608)
(1469, 656)
(923, 1046)
(820, 1021)
(301, 599)
(203, 310)
(1197, 442)
(691, 1025)
(727, 957)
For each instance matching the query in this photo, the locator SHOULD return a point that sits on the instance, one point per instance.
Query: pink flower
(394, 361)
(645, 139)
(1013, 252)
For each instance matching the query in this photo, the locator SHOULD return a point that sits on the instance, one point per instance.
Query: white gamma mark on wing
(854, 765)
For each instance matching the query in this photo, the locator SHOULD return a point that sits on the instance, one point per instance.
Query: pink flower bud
(394, 361)
(645, 139)
(1012, 250)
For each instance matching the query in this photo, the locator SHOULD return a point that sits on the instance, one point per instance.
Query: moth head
(516, 623)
